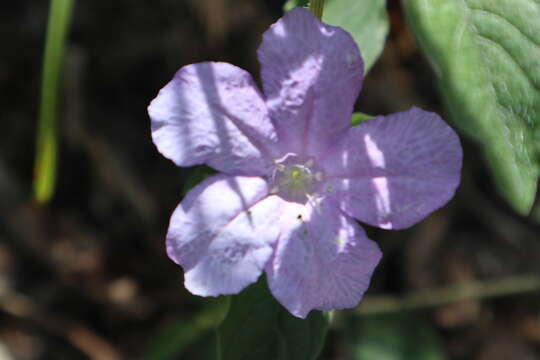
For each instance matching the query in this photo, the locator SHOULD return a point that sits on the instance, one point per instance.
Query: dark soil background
(86, 276)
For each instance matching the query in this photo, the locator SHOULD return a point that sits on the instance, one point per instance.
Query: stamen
(285, 157)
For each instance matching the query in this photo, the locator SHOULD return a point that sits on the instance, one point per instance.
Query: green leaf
(304, 339)
(392, 337)
(365, 20)
(358, 118)
(177, 336)
(258, 327)
(196, 175)
(487, 56)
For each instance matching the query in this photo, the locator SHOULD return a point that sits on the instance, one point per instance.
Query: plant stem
(47, 143)
(445, 295)
(316, 7)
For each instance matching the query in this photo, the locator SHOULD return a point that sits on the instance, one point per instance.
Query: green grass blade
(47, 142)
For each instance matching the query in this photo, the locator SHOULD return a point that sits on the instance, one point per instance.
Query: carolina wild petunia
(295, 176)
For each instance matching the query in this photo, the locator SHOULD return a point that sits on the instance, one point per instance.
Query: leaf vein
(491, 13)
(511, 57)
(492, 85)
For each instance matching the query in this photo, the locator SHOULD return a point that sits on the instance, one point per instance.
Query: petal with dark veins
(323, 260)
(392, 171)
(312, 74)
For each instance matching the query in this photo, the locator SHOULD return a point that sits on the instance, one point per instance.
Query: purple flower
(295, 175)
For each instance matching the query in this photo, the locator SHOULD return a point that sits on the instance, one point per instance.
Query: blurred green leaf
(208, 349)
(487, 56)
(536, 214)
(396, 336)
(358, 118)
(47, 142)
(365, 20)
(196, 175)
(291, 4)
(176, 337)
(258, 327)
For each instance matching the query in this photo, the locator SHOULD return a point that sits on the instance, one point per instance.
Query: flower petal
(312, 74)
(322, 260)
(213, 113)
(393, 171)
(222, 234)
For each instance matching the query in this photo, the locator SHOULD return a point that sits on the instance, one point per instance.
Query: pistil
(294, 179)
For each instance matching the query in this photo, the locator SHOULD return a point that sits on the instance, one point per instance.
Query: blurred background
(86, 276)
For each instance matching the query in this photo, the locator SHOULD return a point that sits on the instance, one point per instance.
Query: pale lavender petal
(222, 234)
(323, 260)
(393, 171)
(213, 113)
(312, 74)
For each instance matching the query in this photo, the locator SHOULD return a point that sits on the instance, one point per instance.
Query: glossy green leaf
(258, 327)
(392, 337)
(365, 20)
(487, 56)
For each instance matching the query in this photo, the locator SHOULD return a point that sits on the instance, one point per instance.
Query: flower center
(294, 179)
